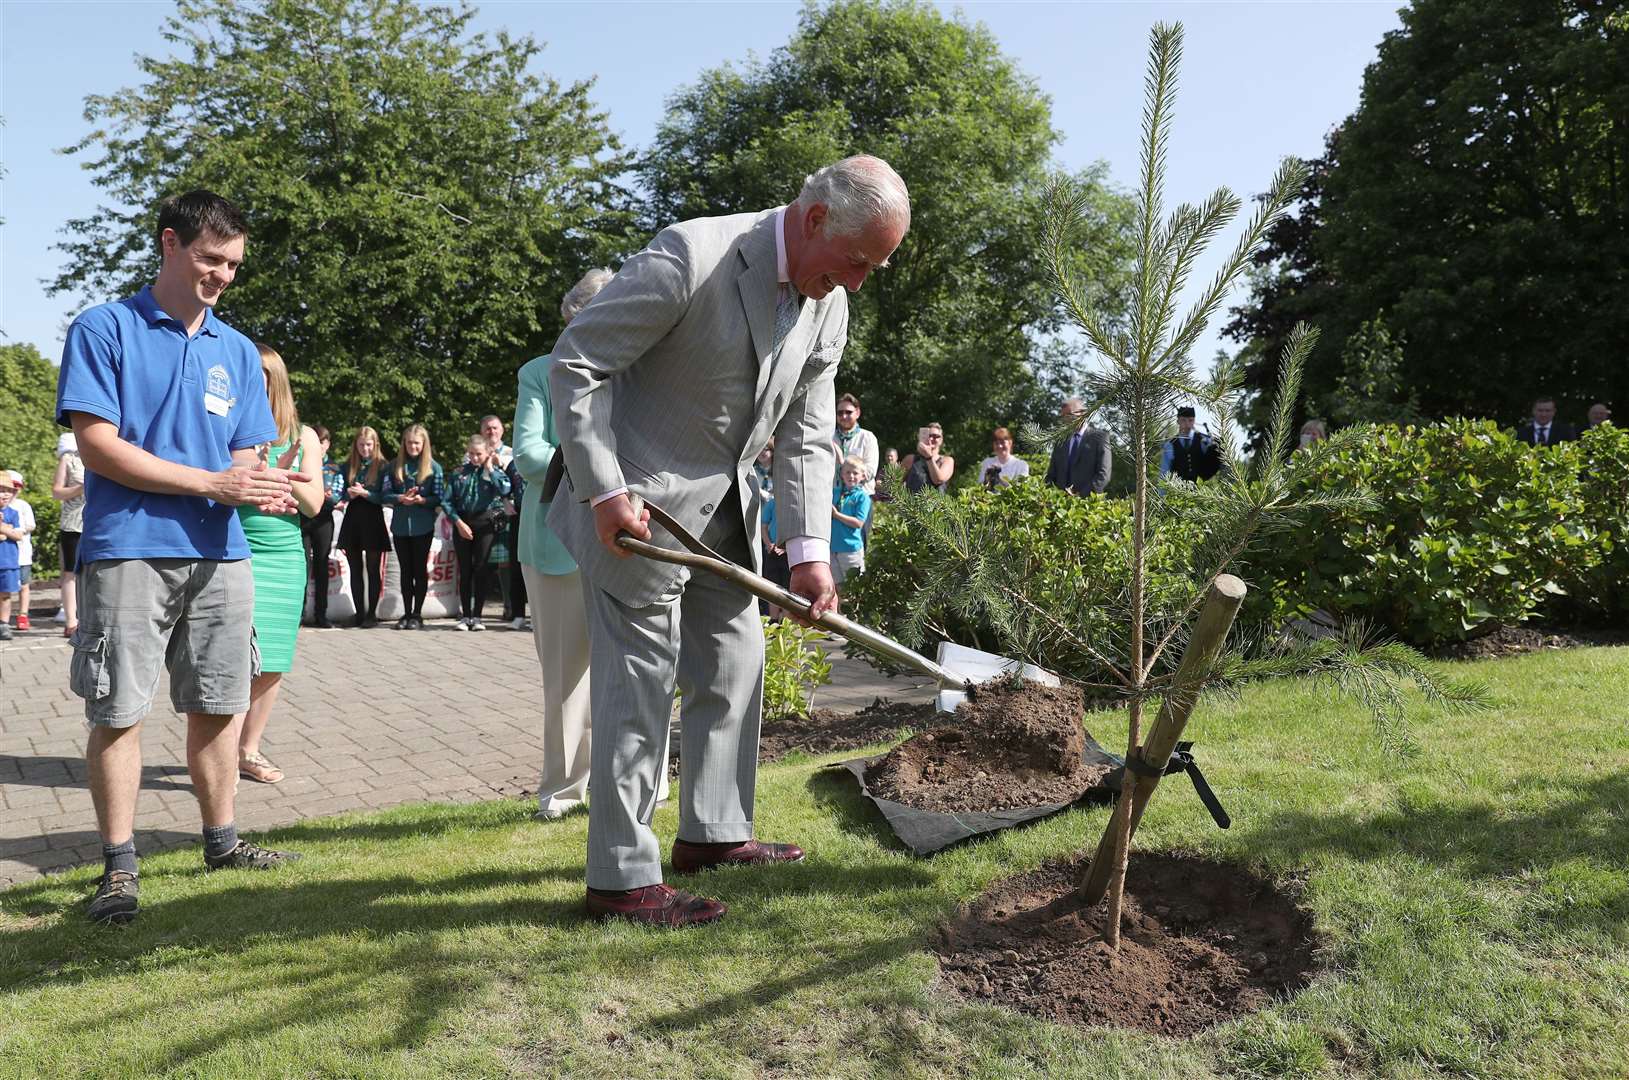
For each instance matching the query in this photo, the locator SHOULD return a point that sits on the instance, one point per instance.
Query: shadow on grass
(290, 949)
(834, 790)
(1582, 819)
(423, 821)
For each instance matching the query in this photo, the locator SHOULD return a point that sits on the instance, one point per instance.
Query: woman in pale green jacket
(554, 588)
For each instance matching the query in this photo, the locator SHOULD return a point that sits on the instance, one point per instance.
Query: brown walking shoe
(654, 905)
(689, 858)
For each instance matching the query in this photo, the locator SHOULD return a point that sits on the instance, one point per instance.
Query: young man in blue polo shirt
(169, 408)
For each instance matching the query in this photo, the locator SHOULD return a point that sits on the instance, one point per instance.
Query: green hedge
(1072, 550)
(1468, 529)
(1597, 583)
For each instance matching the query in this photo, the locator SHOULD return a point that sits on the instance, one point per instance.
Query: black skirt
(363, 528)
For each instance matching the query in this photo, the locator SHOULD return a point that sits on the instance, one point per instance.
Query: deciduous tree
(1480, 196)
(419, 198)
(954, 332)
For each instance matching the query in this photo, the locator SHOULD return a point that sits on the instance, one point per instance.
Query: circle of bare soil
(1011, 745)
(1201, 942)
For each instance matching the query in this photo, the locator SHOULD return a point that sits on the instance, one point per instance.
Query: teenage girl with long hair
(277, 561)
(362, 535)
(413, 486)
(472, 503)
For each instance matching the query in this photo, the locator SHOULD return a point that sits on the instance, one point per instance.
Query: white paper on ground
(978, 666)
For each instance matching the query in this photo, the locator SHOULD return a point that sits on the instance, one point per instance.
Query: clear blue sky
(1259, 81)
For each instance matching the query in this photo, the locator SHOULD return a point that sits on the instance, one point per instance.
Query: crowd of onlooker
(478, 497)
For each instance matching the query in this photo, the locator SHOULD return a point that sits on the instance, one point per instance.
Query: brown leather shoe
(655, 905)
(688, 857)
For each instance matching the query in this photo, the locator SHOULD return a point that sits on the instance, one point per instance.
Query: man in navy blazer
(1542, 429)
(1081, 463)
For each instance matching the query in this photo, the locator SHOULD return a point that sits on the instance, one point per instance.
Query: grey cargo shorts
(193, 616)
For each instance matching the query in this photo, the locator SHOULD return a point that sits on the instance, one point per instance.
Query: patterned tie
(786, 316)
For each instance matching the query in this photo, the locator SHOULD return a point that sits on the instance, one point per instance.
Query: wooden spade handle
(767, 590)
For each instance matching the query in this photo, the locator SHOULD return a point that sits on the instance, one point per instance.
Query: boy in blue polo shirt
(170, 412)
(11, 533)
(850, 510)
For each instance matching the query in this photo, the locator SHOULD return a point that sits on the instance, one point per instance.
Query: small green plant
(794, 668)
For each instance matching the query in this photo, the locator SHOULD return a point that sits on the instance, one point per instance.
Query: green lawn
(1475, 901)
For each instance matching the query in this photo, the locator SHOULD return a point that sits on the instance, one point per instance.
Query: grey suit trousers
(705, 632)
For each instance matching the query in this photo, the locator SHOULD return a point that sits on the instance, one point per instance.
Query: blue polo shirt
(188, 400)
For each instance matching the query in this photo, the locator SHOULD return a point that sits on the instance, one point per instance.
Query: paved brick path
(356, 727)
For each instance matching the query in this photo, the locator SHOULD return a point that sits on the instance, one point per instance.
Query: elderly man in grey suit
(721, 333)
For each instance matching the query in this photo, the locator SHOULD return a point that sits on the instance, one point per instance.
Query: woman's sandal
(257, 768)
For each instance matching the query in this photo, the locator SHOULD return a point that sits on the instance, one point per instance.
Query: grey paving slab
(368, 719)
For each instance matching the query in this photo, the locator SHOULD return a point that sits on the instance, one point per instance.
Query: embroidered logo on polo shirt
(218, 391)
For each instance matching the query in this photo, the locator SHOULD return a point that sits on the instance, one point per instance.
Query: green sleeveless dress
(277, 561)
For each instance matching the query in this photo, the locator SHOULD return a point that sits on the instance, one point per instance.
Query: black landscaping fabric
(925, 832)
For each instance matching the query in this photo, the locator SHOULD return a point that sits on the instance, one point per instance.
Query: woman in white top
(1001, 468)
(68, 488)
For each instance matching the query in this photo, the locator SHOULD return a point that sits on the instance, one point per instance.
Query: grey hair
(585, 290)
(856, 192)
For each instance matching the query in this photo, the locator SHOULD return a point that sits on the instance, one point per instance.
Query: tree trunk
(1215, 620)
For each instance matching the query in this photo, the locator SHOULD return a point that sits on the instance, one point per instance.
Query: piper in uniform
(1192, 455)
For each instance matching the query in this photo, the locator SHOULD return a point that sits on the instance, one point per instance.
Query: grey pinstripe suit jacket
(665, 384)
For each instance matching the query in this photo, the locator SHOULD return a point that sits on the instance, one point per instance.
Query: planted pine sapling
(1170, 643)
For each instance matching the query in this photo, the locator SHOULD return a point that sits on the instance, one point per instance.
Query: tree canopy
(957, 329)
(1479, 197)
(418, 200)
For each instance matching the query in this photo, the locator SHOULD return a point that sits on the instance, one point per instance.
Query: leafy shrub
(1598, 588)
(794, 668)
(1073, 552)
(1467, 529)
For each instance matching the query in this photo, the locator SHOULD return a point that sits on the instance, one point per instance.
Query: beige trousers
(560, 633)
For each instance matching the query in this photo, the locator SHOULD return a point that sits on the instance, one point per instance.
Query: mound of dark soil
(1201, 942)
(1011, 745)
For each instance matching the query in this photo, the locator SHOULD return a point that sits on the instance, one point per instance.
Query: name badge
(216, 404)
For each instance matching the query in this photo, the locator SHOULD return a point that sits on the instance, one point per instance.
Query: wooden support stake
(1209, 635)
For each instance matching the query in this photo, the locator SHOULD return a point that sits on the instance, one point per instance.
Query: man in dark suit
(1192, 455)
(1542, 429)
(1082, 462)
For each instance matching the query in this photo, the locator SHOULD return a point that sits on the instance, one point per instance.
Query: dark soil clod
(826, 730)
(1015, 745)
(1201, 942)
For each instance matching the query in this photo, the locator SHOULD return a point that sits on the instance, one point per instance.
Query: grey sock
(119, 856)
(219, 839)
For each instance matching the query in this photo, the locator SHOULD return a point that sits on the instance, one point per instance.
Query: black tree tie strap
(1182, 761)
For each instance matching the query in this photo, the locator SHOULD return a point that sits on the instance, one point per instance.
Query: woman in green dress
(277, 559)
